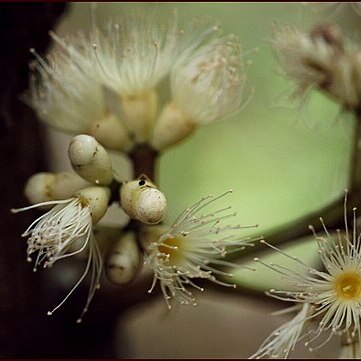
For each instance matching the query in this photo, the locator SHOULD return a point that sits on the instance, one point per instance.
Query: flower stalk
(355, 170)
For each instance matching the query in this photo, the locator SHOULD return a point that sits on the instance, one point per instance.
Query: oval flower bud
(37, 188)
(124, 260)
(171, 127)
(66, 183)
(43, 187)
(97, 199)
(90, 160)
(139, 112)
(110, 132)
(142, 201)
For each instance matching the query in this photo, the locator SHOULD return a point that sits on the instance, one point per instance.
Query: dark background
(25, 330)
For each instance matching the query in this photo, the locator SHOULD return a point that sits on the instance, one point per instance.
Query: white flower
(64, 94)
(106, 83)
(66, 230)
(283, 340)
(187, 250)
(134, 53)
(72, 89)
(207, 84)
(335, 294)
(321, 60)
(350, 351)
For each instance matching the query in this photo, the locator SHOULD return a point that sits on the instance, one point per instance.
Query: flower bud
(37, 188)
(43, 187)
(96, 198)
(66, 183)
(139, 112)
(171, 127)
(111, 133)
(142, 201)
(124, 260)
(90, 160)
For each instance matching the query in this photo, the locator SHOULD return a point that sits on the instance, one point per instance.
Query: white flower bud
(139, 112)
(90, 160)
(171, 127)
(37, 188)
(65, 184)
(97, 199)
(124, 260)
(149, 205)
(142, 201)
(43, 187)
(111, 133)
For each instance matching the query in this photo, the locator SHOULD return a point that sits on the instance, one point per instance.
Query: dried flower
(333, 295)
(189, 248)
(66, 230)
(321, 60)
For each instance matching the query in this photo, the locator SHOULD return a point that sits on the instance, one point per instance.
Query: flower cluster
(105, 84)
(105, 89)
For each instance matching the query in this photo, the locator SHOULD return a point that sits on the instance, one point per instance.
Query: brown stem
(331, 214)
(355, 168)
(144, 158)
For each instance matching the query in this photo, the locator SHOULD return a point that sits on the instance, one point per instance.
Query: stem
(355, 177)
(331, 214)
(143, 158)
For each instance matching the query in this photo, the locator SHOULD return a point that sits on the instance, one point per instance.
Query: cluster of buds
(105, 89)
(78, 201)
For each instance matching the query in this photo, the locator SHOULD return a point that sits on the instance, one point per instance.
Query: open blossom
(283, 340)
(331, 298)
(73, 88)
(189, 249)
(320, 59)
(208, 83)
(66, 230)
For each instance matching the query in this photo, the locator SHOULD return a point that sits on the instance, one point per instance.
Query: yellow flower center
(84, 202)
(348, 285)
(171, 247)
